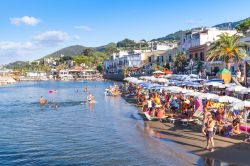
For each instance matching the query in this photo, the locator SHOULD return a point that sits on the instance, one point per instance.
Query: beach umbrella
(215, 84)
(187, 91)
(230, 85)
(239, 88)
(209, 96)
(228, 99)
(158, 72)
(241, 105)
(162, 80)
(194, 94)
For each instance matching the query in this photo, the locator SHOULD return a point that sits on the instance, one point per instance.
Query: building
(118, 64)
(163, 46)
(195, 44)
(247, 40)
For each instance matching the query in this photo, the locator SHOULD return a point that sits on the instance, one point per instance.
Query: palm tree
(228, 48)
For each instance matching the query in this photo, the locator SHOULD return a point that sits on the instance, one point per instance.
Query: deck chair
(197, 116)
(150, 118)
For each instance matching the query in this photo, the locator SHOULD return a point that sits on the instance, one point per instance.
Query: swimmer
(55, 106)
(85, 89)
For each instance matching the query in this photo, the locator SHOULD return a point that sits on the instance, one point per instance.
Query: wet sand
(233, 151)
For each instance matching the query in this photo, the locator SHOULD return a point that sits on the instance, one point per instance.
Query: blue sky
(31, 29)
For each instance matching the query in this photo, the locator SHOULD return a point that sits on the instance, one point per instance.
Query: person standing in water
(90, 98)
(43, 101)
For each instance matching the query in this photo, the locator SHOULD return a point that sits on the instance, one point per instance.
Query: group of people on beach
(162, 104)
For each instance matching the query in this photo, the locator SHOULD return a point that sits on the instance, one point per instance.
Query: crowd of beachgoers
(216, 107)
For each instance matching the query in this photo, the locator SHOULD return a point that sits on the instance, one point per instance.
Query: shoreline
(190, 139)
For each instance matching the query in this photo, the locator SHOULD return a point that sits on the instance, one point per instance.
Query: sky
(31, 29)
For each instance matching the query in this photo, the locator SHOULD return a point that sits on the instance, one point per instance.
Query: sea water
(108, 132)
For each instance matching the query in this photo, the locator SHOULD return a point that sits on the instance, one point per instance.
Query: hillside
(16, 64)
(229, 25)
(67, 51)
(173, 36)
(177, 35)
(72, 51)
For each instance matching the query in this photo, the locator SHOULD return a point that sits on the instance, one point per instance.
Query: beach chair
(185, 122)
(197, 116)
(150, 118)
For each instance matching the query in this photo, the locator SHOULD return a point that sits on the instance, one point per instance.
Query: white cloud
(11, 51)
(27, 20)
(8, 45)
(83, 27)
(51, 38)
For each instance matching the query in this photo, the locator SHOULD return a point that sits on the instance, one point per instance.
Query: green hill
(67, 51)
(73, 51)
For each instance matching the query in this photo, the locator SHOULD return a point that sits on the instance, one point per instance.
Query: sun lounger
(197, 116)
(150, 118)
(186, 121)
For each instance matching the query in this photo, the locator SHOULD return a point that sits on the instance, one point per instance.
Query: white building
(118, 64)
(201, 37)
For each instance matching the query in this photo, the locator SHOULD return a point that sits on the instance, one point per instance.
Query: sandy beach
(230, 150)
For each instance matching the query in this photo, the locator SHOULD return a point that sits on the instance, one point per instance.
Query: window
(196, 56)
(190, 56)
(170, 58)
(202, 56)
(149, 59)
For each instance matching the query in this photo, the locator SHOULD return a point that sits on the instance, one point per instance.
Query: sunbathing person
(233, 129)
(161, 113)
(236, 127)
(153, 112)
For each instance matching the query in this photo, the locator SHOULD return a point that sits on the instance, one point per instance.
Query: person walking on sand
(209, 131)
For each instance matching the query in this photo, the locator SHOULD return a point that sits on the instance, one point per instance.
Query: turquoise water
(109, 132)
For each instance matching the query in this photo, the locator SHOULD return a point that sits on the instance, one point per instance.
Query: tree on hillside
(99, 68)
(65, 58)
(126, 43)
(244, 26)
(61, 67)
(111, 48)
(228, 49)
(180, 62)
(88, 52)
